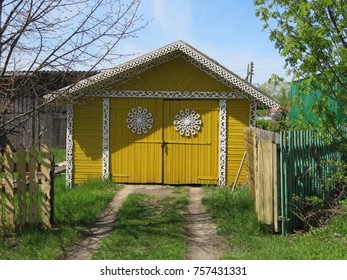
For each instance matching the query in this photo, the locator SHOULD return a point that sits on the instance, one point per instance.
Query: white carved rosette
(139, 120)
(187, 122)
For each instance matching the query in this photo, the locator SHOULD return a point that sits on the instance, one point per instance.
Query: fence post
(33, 185)
(21, 185)
(52, 177)
(46, 186)
(1, 223)
(9, 187)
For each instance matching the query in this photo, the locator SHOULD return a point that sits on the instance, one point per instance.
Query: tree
(58, 36)
(312, 36)
(277, 88)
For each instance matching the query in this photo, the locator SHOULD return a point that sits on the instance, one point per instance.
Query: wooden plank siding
(87, 132)
(174, 75)
(238, 119)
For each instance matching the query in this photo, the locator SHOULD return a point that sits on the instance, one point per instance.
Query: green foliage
(275, 126)
(277, 88)
(59, 154)
(74, 209)
(250, 239)
(312, 37)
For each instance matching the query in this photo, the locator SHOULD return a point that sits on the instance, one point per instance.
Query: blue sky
(226, 30)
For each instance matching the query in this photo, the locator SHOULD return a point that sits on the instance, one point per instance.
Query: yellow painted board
(135, 158)
(237, 120)
(175, 75)
(87, 137)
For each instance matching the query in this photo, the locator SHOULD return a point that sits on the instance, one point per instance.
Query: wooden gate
(191, 159)
(164, 141)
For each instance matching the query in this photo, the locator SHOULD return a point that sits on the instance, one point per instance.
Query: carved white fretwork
(139, 120)
(187, 122)
(69, 145)
(105, 138)
(222, 141)
(167, 94)
(169, 52)
(252, 114)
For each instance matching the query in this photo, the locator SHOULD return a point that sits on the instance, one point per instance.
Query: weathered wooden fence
(47, 126)
(263, 162)
(22, 202)
(281, 167)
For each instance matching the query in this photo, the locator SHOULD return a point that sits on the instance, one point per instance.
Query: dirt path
(203, 241)
(88, 246)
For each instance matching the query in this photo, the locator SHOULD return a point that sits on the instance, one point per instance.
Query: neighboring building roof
(197, 58)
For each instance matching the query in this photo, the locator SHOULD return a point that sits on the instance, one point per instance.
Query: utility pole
(250, 72)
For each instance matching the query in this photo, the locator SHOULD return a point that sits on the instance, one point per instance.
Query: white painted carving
(105, 138)
(252, 114)
(187, 122)
(169, 52)
(69, 145)
(139, 120)
(222, 142)
(168, 94)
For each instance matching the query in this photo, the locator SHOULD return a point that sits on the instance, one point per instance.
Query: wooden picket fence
(27, 187)
(263, 174)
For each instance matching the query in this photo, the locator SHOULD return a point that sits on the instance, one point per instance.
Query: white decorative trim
(187, 122)
(105, 138)
(139, 120)
(69, 145)
(167, 94)
(169, 52)
(252, 114)
(222, 141)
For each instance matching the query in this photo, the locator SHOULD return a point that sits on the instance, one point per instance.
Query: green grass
(148, 228)
(250, 239)
(74, 209)
(59, 154)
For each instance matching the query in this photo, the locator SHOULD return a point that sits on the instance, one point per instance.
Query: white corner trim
(105, 138)
(222, 141)
(252, 114)
(69, 146)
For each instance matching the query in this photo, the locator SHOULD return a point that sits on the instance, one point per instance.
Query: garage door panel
(136, 158)
(192, 159)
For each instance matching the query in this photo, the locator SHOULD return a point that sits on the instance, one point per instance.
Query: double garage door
(164, 141)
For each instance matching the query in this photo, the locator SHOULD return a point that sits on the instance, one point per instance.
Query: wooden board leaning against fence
(26, 189)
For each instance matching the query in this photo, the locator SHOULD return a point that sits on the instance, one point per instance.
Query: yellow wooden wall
(174, 75)
(87, 137)
(238, 119)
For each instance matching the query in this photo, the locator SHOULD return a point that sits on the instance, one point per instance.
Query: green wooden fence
(305, 166)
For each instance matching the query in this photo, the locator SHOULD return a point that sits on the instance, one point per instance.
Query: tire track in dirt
(203, 241)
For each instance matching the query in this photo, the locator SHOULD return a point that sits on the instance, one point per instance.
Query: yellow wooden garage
(172, 116)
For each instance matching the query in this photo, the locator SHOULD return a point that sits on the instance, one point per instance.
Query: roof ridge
(193, 55)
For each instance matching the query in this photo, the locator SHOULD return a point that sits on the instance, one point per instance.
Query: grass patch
(74, 209)
(250, 239)
(148, 228)
(59, 154)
